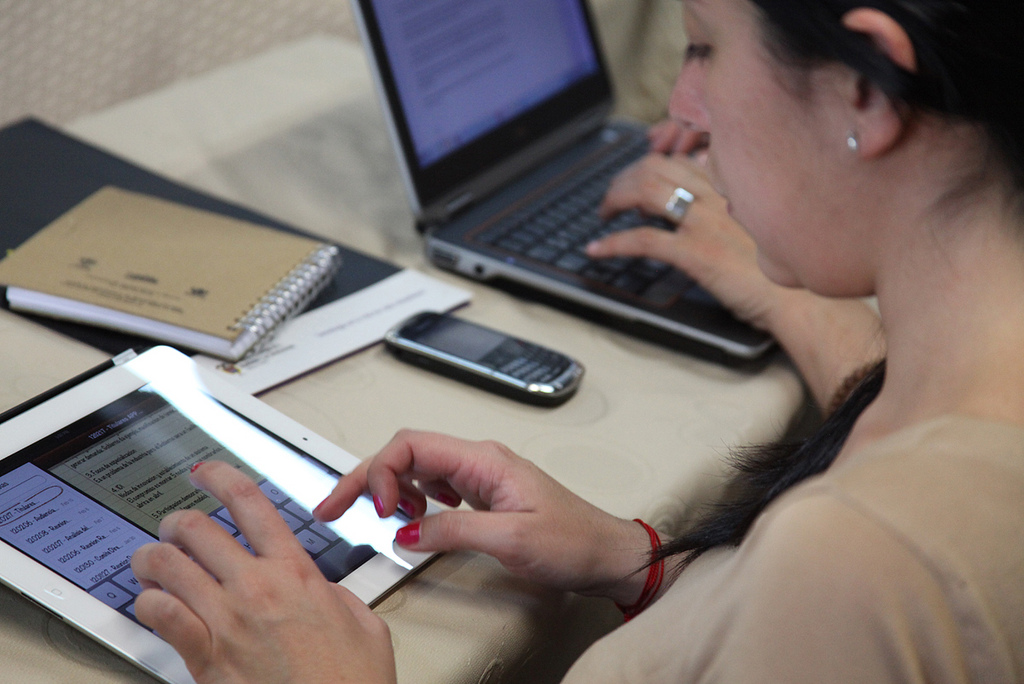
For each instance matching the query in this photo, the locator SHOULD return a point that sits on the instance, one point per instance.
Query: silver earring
(851, 141)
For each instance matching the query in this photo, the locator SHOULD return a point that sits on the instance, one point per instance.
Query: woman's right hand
(534, 526)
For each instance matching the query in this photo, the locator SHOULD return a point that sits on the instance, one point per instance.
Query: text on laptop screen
(464, 67)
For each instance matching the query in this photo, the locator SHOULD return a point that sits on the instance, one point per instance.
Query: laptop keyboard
(556, 230)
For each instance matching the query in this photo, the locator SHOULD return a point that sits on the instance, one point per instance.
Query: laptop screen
(464, 68)
(468, 83)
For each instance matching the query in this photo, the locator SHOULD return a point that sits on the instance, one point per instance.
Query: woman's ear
(886, 34)
(878, 124)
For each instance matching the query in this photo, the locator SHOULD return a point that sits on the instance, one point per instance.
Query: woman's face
(777, 153)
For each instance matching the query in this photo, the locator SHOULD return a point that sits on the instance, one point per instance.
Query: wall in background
(61, 59)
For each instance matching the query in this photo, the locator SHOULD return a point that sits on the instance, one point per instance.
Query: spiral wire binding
(291, 295)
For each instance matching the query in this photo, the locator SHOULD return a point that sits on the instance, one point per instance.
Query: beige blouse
(904, 563)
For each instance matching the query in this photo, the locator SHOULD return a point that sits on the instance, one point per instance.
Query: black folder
(45, 172)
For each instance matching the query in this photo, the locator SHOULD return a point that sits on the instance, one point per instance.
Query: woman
(867, 150)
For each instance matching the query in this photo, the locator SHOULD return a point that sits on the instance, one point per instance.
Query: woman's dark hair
(970, 60)
(763, 473)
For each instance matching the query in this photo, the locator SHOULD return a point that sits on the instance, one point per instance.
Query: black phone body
(486, 358)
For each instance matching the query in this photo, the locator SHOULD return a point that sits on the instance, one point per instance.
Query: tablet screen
(82, 500)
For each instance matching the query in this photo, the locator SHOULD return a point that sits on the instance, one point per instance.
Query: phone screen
(457, 337)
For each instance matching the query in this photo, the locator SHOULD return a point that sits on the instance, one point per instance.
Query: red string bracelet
(655, 574)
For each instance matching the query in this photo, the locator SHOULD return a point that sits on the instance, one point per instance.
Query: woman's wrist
(653, 581)
(623, 570)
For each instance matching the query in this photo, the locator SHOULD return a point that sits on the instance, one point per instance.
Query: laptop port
(444, 258)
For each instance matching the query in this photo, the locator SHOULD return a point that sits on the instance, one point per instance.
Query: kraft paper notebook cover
(45, 172)
(172, 273)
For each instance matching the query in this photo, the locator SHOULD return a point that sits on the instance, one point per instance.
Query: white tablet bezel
(370, 582)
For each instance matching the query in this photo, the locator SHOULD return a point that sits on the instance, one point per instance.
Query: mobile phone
(485, 358)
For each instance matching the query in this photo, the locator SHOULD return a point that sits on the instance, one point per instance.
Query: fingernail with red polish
(195, 465)
(407, 508)
(378, 504)
(447, 500)
(408, 535)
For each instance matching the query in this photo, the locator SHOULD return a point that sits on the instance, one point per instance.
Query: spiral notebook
(176, 274)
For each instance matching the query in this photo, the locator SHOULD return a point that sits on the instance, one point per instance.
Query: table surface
(297, 133)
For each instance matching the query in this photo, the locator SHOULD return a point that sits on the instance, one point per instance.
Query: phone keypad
(527, 362)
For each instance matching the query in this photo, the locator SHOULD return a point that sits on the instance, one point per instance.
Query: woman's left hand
(707, 244)
(266, 616)
(827, 339)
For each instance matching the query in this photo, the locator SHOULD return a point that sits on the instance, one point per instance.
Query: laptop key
(664, 290)
(600, 272)
(513, 244)
(545, 253)
(631, 282)
(572, 261)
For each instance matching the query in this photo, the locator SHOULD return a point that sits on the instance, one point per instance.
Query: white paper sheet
(338, 329)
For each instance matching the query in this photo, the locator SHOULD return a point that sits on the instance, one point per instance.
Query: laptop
(499, 115)
(88, 469)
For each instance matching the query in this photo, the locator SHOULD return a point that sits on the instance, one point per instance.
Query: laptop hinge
(436, 218)
(431, 220)
(426, 227)
(460, 202)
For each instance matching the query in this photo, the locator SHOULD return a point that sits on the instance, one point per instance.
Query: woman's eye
(697, 51)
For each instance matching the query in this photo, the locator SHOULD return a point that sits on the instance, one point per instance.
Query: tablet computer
(88, 470)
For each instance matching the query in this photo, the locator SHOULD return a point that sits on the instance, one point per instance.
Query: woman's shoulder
(898, 567)
(946, 443)
(948, 484)
(949, 491)
(915, 541)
